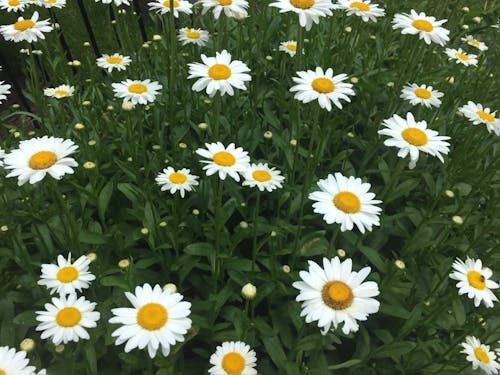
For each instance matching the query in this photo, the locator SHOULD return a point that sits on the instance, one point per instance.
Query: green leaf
(397, 311)
(346, 364)
(458, 310)
(90, 357)
(114, 280)
(103, 200)
(26, 318)
(394, 349)
(275, 350)
(92, 238)
(373, 256)
(203, 249)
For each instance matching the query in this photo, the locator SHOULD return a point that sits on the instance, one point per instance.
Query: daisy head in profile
(474, 280)
(335, 294)
(59, 92)
(427, 27)
(480, 355)
(4, 90)
(461, 57)
(114, 61)
(188, 35)
(163, 7)
(412, 136)
(26, 29)
(230, 8)
(59, 4)
(308, 11)
(263, 177)
(346, 201)
(224, 161)
(177, 180)
(13, 5)
(364, 9)
(233, 358)
(38, 156)
(422, 94)
(477, 114)
(136, 91)
(471, 41)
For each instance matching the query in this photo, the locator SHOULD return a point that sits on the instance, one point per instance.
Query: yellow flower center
(24, 25)
(233, 363)
(337, 295)
(462, 56)
(193, 34)
(51, 1)
(2, 372)
(166, 3)
(60, 92)
(291, 47)
(225, 2)
(68, 317)
(476, 280)
(323, 85)
(114, 60)
(177, 178)
(219, 71)
(415, 136)
(224, 158)
(137, 88)
(152, 316)
(261, 175)
(422, 25)
(475, 43)
(481, 355)
(302, 4)
(360, 6)
(485, 116)
(347, 202)
(12, 3)
(42, 160)
(67, 274)
(423, 93)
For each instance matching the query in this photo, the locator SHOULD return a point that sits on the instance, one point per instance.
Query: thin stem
(173, 64)
(255, 223)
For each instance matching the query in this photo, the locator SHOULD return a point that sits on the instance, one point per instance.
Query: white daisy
(14, 363)
(471, 41)
(261, 176)
(29, 29)
(158, 319)
(426, 27)
(59, 92)
(188, 35)
(65, 319)
(2, 155)
(411, 137)
(13, 5)
(421, 94)
(4, 90)
(66, 277)
(364, 9)
(346, 201)
(231, 8)
(474, 280)
(335, 294)
(117, 2)
(54, 3)
(290, 47)
(219, 73)
(233, 358)
(461, 57)
(163, 7)
(181, 180)
(322, 86)
(479, 115)
(137, 92)
(38, 156)
(224, 161)
(309, 11)
(480, 355)
(115, 61)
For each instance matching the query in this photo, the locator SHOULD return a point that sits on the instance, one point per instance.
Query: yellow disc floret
(152, 316)
(415, 136)
(42, 160)
(347, 202)
(233, 363)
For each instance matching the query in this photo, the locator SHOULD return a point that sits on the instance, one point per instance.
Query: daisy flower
(188, 35)
(309, 11)
(231, 8)
(2, 155)
(163, 7)
(479, 115)
(117, 2)
(233, 358)
(66, 277)
(219, 73)
(411, 137)
(364, 9)
(4, 90)
(474, 280)
(158, 319)
(480, 355)
(180, 180)
(66, 318)
(13, 5)
(461, 57)
(469, 39)
(261, 176)
(14, 363)
(115, 61)
(421, 94)
(224, 161)
(426, 27)
(137, 92)
(290, 47)
(335, 294)
(38, 156)
(54, 3)
(29, 29)
(59, 92)
(322, 86)
(346, 201)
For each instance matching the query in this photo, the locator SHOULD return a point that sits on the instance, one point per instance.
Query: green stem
(218, 231)
(255, 223)
(173, 64)
(300, 48)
